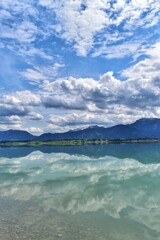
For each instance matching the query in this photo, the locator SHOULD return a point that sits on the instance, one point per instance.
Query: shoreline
(76, 142)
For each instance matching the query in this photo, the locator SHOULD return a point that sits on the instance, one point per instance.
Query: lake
(91, 192)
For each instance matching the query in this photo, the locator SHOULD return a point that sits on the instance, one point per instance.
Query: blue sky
(68, 64)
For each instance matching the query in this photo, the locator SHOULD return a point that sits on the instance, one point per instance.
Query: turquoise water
(108, 192)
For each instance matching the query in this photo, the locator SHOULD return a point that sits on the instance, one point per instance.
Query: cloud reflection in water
(77, 183)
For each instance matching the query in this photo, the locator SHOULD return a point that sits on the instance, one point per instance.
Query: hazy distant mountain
(148, 127)
(142, 128)
(15, 135)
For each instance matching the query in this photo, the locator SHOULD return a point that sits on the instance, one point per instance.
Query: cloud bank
(51, 49)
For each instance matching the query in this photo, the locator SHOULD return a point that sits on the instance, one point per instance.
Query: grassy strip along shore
(75, 142)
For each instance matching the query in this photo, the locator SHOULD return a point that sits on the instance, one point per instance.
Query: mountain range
(142, 128)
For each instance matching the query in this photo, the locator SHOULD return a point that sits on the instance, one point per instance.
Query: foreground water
(108, 192)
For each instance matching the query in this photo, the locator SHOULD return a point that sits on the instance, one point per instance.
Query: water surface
(108, 192)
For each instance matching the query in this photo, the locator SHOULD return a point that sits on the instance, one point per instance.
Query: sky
(70, 64)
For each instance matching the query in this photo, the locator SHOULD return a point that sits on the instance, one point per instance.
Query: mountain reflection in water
(142, 152)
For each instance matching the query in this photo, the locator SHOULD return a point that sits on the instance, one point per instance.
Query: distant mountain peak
(142, 128)
(94, 126)
(147, 119)
(15, 135)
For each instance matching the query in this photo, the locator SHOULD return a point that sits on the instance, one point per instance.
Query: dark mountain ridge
(142, 128)
(15, 135)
